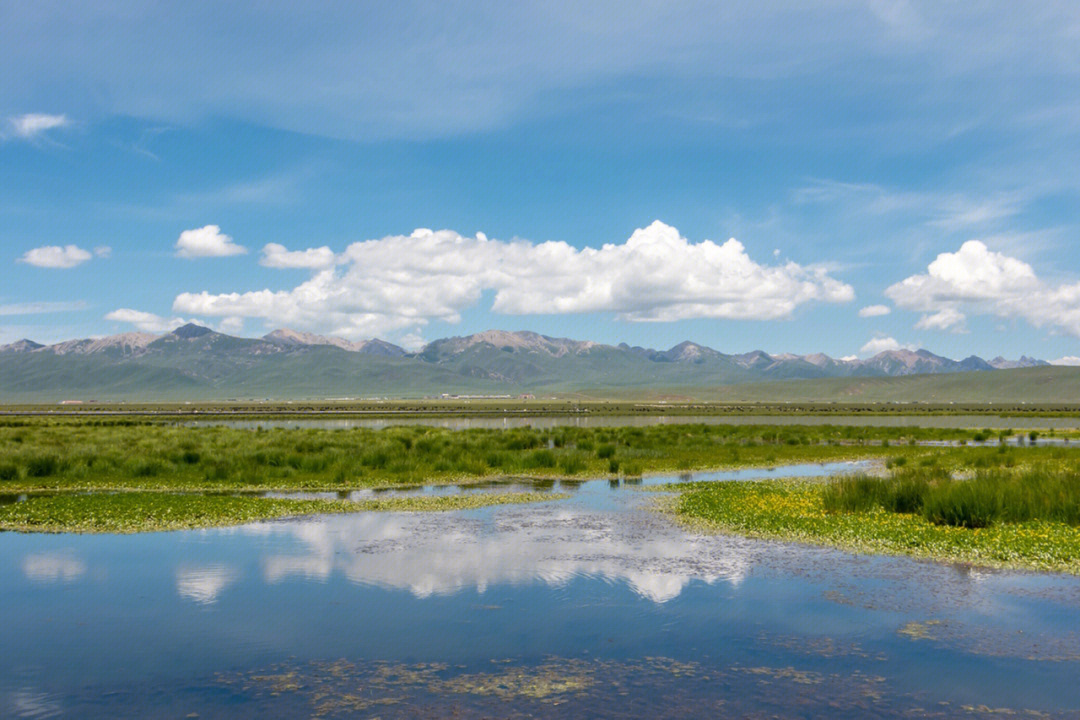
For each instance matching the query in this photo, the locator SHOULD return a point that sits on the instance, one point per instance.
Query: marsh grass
(144, 512)
(989, 497)
(39, 454)
(795, 510)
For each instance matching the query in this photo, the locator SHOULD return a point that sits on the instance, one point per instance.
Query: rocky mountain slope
(195, 362)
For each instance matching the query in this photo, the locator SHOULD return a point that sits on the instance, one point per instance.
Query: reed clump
(987, 498)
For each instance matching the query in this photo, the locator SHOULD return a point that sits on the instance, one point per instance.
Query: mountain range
(195, 362)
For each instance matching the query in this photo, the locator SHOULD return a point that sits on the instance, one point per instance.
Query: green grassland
(1038, 385)
(129, 512)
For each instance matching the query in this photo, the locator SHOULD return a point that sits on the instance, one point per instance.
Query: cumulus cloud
(145, 321)
(103, 251)
(882, 344)
(406, 281)
(206, 241)
(32, 125)
(977, 280)
(874, 311)
(1068, 360)
(277, 256)
(55, 256)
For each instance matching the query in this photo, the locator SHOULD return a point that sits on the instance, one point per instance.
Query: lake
(994, 422)
(592, 606)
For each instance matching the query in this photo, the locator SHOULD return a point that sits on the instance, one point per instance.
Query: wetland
(414, 571)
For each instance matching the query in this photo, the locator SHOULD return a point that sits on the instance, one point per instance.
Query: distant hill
(197, 363)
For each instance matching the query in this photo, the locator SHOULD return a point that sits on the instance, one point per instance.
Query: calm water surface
(995, 422)
(592, 606)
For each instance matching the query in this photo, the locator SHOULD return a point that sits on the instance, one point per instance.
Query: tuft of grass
(989, 497)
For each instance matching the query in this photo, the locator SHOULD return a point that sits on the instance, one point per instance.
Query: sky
(840, 177)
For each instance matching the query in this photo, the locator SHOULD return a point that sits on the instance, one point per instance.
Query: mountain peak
(191, 330)
(519, 341)
(129, 342)
(374, 346)
(23, 345)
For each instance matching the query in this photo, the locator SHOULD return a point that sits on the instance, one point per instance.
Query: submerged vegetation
(1017, 518)
(145, 512)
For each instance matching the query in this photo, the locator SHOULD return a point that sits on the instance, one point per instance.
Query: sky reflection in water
(574, 594)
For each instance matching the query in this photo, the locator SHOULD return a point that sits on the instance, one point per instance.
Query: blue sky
(919, 159)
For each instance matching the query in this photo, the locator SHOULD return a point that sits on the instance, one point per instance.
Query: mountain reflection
(443, 553)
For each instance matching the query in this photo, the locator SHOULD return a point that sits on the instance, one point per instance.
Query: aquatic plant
(796, 510)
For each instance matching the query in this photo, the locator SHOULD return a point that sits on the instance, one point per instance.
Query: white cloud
(874, 311)
(145, 321)
(206, 241)
(1068, 360)
(412, 341)
(405, 281)
(849, 358)
(33, 125)
(103, 251)
(231, 325)
(976, 280)
(54, 256)
(277, 256)
(882, 344)
(947, 318)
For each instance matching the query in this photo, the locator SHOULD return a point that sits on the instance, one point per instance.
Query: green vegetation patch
(796, 510)
(990, 497)
(123, 454)
(146, 511)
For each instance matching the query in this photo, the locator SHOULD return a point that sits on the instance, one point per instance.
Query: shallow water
(593, 606)
(994, 422)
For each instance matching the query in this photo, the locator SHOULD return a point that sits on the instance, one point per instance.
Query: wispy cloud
(950, 211)
(32, 126)
(38, 308)
(415, 69)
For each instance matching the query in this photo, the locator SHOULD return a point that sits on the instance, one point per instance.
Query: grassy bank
(146, 512)
(880, 517)
(40, 454)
